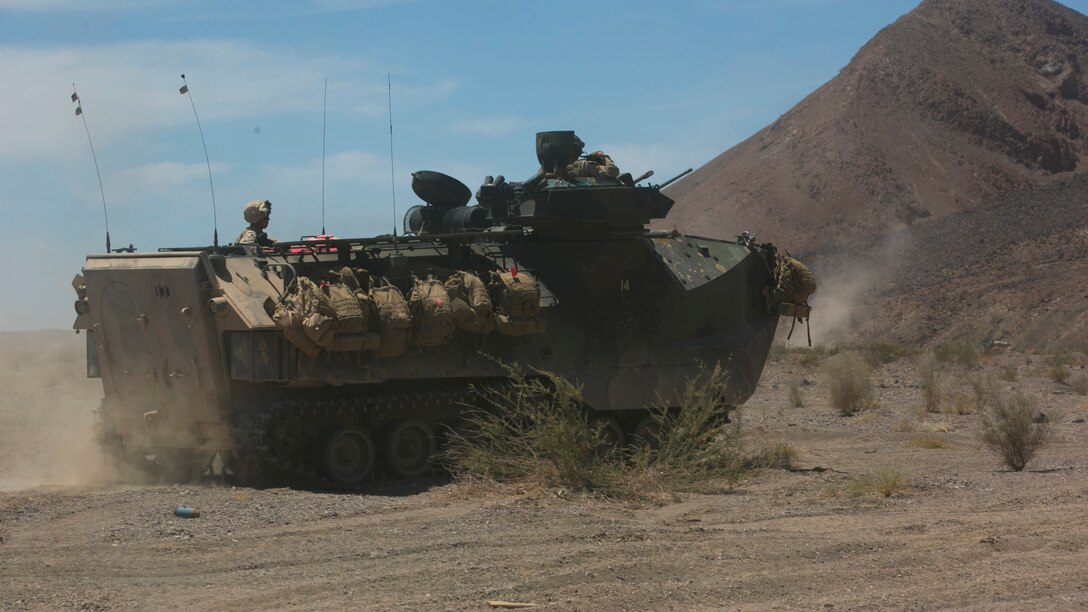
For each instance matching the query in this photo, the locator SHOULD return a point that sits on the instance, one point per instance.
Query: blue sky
(660, 86)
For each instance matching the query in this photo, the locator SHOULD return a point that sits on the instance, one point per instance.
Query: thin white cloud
(159, 184)
(130, 88)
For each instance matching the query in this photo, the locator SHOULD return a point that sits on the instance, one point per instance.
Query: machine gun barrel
(645, 176)
(675, 178)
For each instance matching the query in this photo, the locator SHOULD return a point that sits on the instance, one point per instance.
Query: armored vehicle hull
(217, 350)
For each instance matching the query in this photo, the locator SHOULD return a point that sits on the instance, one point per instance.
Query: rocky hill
(954, 104)
(1014, 269)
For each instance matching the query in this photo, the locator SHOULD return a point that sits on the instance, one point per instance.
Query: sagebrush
(1010, 429)
(535, 428)
(850, 383)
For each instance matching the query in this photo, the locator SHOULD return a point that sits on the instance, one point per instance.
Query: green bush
(886, 482)
(850, 383)
(1010, 429)
(534, 429)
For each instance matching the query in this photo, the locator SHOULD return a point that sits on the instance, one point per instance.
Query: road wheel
(348, 455)
(611, 438)
(410, 448)
(648, 431)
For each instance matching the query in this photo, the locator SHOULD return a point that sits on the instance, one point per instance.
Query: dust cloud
(847, 282)
(47, 407)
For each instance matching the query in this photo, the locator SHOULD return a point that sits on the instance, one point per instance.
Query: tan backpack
(394, 322)
(794, 282)
(306, 317)
(518, 299)
(470, 303)
(432, 317)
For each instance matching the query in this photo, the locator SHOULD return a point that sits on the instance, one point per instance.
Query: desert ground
(962, 532)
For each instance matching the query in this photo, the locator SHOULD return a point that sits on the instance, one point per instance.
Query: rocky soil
(962, 532)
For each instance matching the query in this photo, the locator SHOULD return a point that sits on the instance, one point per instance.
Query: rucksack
(518, 300)
(394, 322)
(470, 303)
(432, 318)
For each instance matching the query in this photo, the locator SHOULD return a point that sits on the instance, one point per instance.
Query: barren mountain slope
(1015, 269)
(955, 103)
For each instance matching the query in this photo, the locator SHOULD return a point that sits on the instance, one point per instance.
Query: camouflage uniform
(255, 212)
(253, 235)
(595, 164)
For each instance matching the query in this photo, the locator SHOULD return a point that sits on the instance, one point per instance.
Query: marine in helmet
(256, 213)
(595, 164)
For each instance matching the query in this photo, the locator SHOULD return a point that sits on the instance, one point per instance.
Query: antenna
(324, 116)
(215, 221)
(392, 171)
(79, 113)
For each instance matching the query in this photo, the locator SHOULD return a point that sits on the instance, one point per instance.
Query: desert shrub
(963, 354)
(1058, 373)
(774, 455)
(796, 398)
(695, 446)
(811, 357)
(960, 404)
(879, 353)
(1079, 383)
(534, 429)
(1008, 428)
(930, 382)
(904, 426)
(1009, 374)
(886, 482)
(850, 383)
(982, 386)
(931, 442)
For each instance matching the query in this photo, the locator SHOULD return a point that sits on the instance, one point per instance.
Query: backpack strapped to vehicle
(518, 298)
(470, 303)
(394, 322)
(429, 306)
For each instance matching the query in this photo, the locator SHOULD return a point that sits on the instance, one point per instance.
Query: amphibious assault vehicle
(333, 360)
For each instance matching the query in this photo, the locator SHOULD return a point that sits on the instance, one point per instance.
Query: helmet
(256, 210)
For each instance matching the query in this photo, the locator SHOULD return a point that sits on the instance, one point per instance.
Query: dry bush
(929, 380)
(1009, 374)
(534, 430)
(963, 354)
(983, 386)
(774, 455)
(1009, 428)
(931, 442)
(904, 426)
(1079, 383)
(850, 383)
(811, 357)
(1058, 373)
(797, 400)
(961, 404)
(886, 482)
(880, 353)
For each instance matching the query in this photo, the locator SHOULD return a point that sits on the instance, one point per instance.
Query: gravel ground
(962, 533)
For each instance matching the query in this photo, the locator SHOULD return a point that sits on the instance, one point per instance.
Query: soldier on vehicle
(256, 214)
(595, 164)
